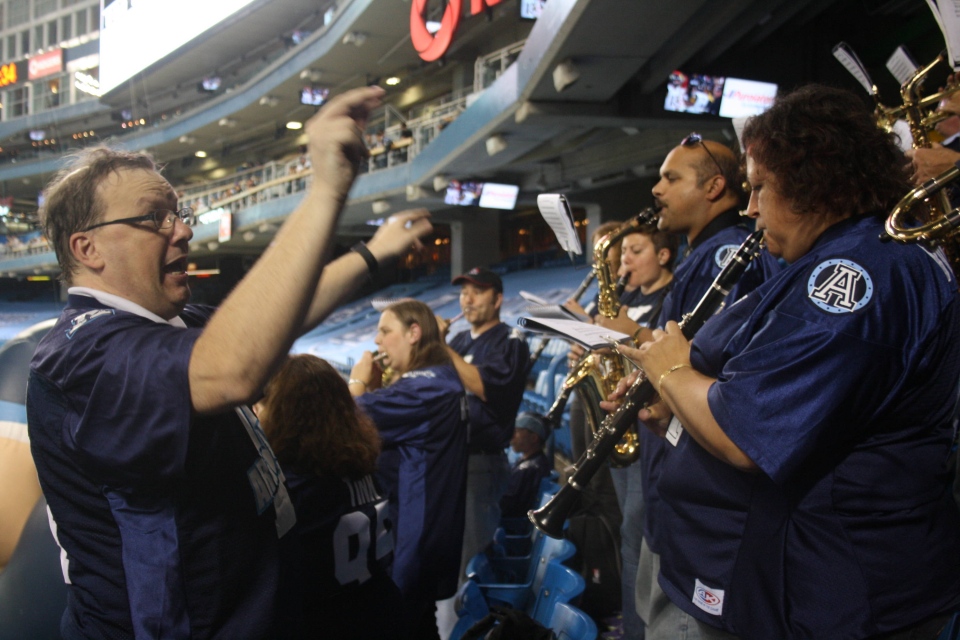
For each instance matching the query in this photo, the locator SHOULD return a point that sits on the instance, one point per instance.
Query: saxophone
(595, 376)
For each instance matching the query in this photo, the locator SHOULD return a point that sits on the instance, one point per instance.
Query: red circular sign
(432, 46)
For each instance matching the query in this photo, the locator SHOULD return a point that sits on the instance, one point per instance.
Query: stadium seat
(570, 623)
(470, 607)
(493, 575)
(560, 584)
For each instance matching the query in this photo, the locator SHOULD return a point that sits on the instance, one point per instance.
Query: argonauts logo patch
(724, 253)
(840, 286)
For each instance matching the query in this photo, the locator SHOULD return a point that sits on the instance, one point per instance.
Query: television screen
(743, 98)
(314, 96)
(463, 193)
(717, 95)
(135, 35)
(694, 93)
(530, 9)
(210, 83)
(499, 196)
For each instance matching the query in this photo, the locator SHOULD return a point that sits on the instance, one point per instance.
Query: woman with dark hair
(424, 461)
(806, 494)
(328, 450)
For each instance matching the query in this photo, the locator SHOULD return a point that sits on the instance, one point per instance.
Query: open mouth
(177, 267)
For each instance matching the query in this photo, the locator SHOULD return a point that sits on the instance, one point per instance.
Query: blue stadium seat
(560, 584)
(493, 574)
(470, 607)
(570, 623)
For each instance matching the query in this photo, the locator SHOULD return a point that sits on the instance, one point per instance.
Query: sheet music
(555, 311)
(590, 336)
(845, 55)
(535, 299)
(947, 15)
(379, 304)
(556, 211)
(902, 65)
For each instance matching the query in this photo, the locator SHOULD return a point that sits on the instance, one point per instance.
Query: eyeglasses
(695, 139)
(161, 219)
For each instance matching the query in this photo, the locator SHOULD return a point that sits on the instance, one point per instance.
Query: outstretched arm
(257, 323)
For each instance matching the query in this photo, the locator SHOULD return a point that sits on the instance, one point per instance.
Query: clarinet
(550, 518)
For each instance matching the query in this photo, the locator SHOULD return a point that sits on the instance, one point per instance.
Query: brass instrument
(923, 215)
(551, 517)
(596, 375)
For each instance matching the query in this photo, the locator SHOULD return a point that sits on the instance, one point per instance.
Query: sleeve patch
(839, 286)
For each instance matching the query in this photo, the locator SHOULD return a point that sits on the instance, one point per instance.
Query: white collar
(123, 304)
(947, 141)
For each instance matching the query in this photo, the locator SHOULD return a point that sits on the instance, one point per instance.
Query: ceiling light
(201, 154)
(269, 101)
(227, 122)
(380, 206)
(187, 139)
(294, 125)
(564, 75)
(356, 38)
(213, 246)
(392, 81)
(495, 144)
(249, 236)
(440, 182)
(314, 75)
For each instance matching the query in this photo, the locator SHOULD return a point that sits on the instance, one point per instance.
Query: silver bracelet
(355, 381)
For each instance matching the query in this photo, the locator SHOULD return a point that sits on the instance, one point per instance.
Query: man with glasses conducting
(164, 495)
(699, 194)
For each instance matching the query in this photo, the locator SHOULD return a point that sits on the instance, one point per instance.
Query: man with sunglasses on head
(699, 195)
(164, 495)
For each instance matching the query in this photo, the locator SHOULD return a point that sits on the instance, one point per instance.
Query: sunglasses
(695, 139)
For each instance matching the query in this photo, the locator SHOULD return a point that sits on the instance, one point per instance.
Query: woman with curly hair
(423, 466)
(335, 562)
(806, 488)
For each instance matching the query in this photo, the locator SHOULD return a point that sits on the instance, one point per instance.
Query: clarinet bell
(551, 517)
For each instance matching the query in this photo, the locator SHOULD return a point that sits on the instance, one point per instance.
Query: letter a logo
(432, 46)
(839, 286)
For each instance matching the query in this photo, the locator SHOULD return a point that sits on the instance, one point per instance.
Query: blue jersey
(839, 380)
(645, 308)
(336, 559)
(168, 520)
(692, 278)
(423, 469)
(501, 355)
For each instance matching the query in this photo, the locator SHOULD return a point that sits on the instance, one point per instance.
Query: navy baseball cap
(481, 277)
(532, 422)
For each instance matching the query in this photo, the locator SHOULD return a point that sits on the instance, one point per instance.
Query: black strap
(373, 267)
